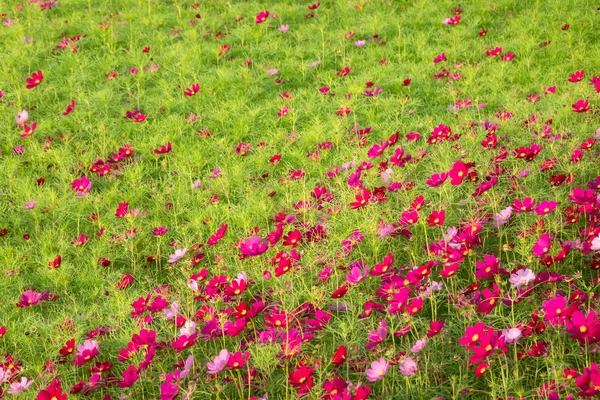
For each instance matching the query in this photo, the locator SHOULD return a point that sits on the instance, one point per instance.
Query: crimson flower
(36, 79)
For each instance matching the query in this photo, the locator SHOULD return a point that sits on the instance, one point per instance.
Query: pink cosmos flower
(172, 312)
(22, 117)
(502, 217)
(219, 362)
(360, 43)
(408, 367)
(419, 345)
(284, 28)
(511, 335)
(596, 244)
(522, 277)
(272, 72)
(30, 205)
(378, 370)
(178, 255)
(19, 386)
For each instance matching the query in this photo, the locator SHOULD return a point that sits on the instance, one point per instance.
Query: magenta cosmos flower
(253, 247)
(82, 186)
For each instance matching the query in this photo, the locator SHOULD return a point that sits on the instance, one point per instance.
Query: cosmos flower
(378, 370)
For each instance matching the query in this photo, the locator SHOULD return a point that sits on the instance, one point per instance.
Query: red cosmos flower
(302, 379)
(488, 268)
(494, 52)
(237, 287)
(164, 149)
(68, 348)
(490, 299)
(193, 90)
(122, 210)
(29, 130)
(262, 16)
(292, 239)
(449, 270)
(439, 58)
(224, 49)
(436, 218)
(126, 281)
(345, 71)
(70, 108)
(314, 6)
(577, 76)
(56, 262)
(380, 269)
(339, 356)
(483, 32)
(584, 329)
(580, 106)
(243, 148)
(481, 368)
(361, 200)
(238, 360)
(130, 376)
(473, 335)
(409, 217)
(214, 239)
(339, 293)
(435, 327)
(36, 79)
(184, 341)
(564, 27)
(458, 173)
(52, 392)
(406, 82)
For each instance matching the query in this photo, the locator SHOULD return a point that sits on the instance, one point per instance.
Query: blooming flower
(378, 370)
(284, 28)
(19, 386)
(511, 335)
(219, 362)
(82, 186)
(408, 366)
(419, 345)
(360, 43)
(22, 117)
(502, 217)
(522, 277)
(178, 255)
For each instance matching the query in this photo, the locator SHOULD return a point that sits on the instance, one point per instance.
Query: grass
(238, 102)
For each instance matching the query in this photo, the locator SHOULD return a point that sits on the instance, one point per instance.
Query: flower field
(343, 200)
